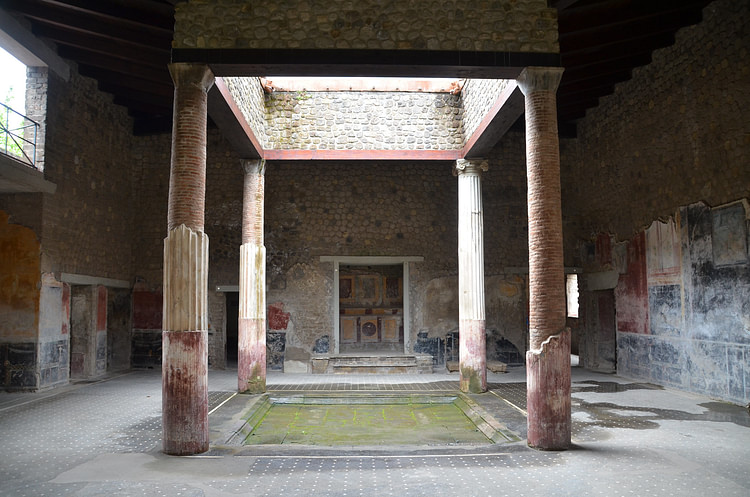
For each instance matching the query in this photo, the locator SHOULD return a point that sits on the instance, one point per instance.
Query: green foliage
(10, 122)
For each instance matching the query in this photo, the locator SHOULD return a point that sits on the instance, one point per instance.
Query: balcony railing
(18, 135)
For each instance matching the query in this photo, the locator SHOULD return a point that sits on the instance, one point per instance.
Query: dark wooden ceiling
(125, 46)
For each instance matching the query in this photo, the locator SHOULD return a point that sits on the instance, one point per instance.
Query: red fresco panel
(66, 309)
(631, 294)
(147, 310)
(277, 318)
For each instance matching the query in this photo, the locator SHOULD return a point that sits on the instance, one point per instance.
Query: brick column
(251, 360)
(548, 360)
(185, 322)
(472, 349)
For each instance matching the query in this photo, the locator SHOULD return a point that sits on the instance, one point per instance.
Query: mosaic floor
(629, 439)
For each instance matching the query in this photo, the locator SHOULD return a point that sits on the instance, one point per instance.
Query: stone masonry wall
(87, 222)
(223, 218)
(477, 98)
(674, 134)
(364, 120)
(316, 208)
(501, 26)
(249, 95)
(84, 228)
(36, 107)
(150, 190)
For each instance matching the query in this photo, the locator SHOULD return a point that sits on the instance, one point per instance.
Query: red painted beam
(426, 155)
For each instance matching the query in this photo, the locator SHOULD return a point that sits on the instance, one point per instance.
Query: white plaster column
(185, 312)
(548, 360)
(472, 348)
(251, 359)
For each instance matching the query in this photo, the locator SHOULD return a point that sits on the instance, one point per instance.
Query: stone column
(185, 321)
(251, 360)
(548, 360)
(472, 348)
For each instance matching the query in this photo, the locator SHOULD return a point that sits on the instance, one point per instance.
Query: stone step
(373, 364)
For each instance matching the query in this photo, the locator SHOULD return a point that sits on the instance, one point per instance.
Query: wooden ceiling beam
(627, 31)
(620, 50)
(146, 13)
(110, 29)
(604, 16)
(115, 65)
(98, 43)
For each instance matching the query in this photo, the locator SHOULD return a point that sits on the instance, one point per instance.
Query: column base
(472, 356)
(184, 392)
(548, 394)
(251, 357)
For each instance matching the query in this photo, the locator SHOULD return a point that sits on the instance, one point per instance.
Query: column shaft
(185, 321)
(472, 339)
(251, 360)
(548, 360)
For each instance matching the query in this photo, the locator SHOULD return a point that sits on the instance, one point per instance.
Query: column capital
(470, 166)
(539, 79)
(184, 74)
(254, 166)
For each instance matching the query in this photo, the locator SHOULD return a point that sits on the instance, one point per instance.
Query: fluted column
(185, 320)
(548, 360)
(251, 360)
(472, 349)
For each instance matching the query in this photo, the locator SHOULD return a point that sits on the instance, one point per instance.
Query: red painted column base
(251, 357)
(472, 359)
(548, 394)
(185, 392)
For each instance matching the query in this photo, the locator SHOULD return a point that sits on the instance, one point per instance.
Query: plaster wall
(54, 336)
(695, 328)
(19, 304)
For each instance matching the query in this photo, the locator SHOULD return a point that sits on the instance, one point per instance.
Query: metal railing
(18, 135)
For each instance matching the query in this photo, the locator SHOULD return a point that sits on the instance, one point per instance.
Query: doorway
(601, 332)
(371, 308)
(232, 326)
